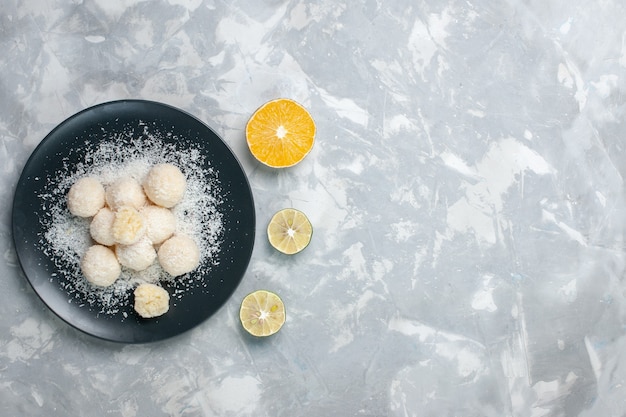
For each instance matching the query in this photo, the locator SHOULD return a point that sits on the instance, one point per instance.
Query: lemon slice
(262, 313)
(289, 231)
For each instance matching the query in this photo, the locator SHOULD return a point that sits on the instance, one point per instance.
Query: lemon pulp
(289, 231)
(262, 313)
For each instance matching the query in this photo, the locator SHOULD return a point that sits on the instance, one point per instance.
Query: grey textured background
(466, 190)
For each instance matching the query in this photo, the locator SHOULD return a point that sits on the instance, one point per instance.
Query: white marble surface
(466, 191)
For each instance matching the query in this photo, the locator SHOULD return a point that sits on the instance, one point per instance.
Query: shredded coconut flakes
(66, 237)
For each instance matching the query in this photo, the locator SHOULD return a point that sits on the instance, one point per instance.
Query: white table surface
(466, 191)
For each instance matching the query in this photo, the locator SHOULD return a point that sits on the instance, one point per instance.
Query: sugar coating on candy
(125, 192)
(160, 223)
(85, 197)
(179, 255)
(199, 214)
(165, 185)
(128, 226)
(138, 256)
(151, 300)
(101, 227)
(100, 266)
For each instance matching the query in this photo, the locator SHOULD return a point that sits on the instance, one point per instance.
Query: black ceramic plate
(120, 121)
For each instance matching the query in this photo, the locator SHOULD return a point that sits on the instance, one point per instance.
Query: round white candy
(85, 197)
(165, 185)
(160, 223)
(138, 256)
(178, 255)
(101, 227)
(100, 266)
(125, 192)
(128, 226)
(151, 300)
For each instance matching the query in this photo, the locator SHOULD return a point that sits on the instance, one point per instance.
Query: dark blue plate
(64, 147)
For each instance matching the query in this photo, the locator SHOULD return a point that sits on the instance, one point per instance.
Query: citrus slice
(289, 231)
(262, 313)
(280, 133)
